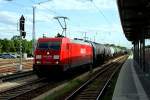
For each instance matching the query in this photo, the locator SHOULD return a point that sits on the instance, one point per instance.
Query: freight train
(60, 54)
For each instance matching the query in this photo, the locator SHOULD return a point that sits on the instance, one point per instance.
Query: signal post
(22, 34)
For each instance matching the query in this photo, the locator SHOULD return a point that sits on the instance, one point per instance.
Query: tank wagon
(98, 53)
(60, 54)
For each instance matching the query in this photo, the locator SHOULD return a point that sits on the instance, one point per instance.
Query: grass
(59, 95)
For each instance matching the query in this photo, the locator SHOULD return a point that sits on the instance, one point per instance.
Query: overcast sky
(98, 18)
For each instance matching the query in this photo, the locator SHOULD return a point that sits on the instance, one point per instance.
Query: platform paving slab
(128, 86)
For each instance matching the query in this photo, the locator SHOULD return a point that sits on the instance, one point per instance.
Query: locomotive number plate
(48, 56)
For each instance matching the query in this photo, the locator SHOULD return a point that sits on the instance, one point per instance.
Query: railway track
(8, 67)
(11, 61)
(30, 90)
(22, 89)
(15, 76)
(94, 87)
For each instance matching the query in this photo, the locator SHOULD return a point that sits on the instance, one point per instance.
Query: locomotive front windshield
(55, 45)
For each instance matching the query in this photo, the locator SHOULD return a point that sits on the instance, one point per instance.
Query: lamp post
(33, 31)
(33, 27)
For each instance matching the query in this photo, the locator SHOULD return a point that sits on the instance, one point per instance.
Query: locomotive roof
(46, 39)
(80, 41)
(60, 38)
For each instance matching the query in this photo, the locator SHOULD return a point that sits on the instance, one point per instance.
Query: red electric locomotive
(59, 54)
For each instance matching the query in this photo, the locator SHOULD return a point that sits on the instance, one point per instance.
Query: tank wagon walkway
(132, 84)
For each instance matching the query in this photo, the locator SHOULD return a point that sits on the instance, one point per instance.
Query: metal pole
(33, 31)
(141, 54)
(20, 65)
(22, 23)
(134, 50)
(143, 50)
(85, 36)
(138, 51)
(65, 27)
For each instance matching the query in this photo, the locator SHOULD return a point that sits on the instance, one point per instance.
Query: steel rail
(22, 89)
(107, 83)
(77, 91)
(15, 75)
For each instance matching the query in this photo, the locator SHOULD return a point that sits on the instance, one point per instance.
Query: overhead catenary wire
(40, 3)
(106, 19)
(50, 10)
(31, 1)
(102, 14)
(99, 10)
(43, 2)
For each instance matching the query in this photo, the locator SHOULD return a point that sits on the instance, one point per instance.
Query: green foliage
(14, 44)
(66, 89)
(113, 45)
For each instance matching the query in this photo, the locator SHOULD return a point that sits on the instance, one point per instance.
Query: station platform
(132, 83)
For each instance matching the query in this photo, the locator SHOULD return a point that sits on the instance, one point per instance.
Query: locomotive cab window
(55, 45)
(42, 45)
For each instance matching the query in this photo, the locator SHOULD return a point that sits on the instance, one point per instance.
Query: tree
(16, 41)
(1, 47)
(29, 49)
(16, 37)
(13, 45)
(24, 46)
(6, 45)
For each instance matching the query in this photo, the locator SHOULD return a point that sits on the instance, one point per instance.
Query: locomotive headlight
(38, 56)
(57, 62)
(38, 62)
(56, 57)
(48, 53)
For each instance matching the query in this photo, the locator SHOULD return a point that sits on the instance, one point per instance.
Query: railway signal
(22, 26)
(22, 34)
